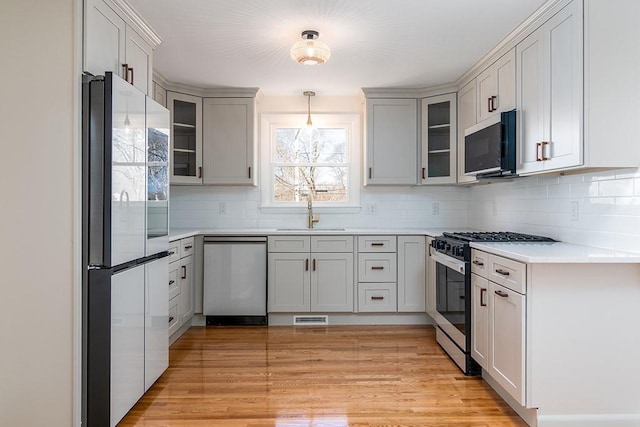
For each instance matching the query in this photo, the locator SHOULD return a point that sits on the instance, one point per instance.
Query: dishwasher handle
(235, 239)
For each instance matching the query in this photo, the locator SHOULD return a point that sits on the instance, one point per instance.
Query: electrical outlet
(435, 208)
(575, 211)
(222, 208)
(494, 207)
(370, 209)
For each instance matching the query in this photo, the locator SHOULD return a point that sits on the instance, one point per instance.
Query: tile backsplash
(600, 209)
(393, 207)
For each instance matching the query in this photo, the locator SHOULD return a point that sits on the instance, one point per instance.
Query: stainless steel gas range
(452, 255)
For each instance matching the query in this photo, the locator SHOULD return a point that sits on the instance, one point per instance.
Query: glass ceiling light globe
(310, 50)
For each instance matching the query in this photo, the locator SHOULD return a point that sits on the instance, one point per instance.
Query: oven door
(450, 297)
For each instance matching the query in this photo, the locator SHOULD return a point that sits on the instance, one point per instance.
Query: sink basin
(310, 230)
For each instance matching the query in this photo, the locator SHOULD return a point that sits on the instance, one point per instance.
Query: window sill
(316, 209)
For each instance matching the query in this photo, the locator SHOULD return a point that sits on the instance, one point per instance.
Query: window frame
(351, 122)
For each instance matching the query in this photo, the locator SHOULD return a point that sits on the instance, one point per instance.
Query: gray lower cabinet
(411, 274)
(377, 274)
(301, 280)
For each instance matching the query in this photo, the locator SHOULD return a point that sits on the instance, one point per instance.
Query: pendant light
(309, 94)
(310, 50)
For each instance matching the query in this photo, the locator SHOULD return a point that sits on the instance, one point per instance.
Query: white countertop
(182, 233)
(556, 253)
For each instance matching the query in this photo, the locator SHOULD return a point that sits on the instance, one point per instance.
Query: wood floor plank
(331, 376)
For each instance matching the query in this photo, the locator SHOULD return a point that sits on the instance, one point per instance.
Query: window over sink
(321, 162)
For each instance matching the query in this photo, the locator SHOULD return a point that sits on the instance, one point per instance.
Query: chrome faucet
(311, 219)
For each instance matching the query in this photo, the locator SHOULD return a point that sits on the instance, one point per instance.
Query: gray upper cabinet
(391, 142)
(229, 141)
(438, 139)
(116, 39)
(497, 87)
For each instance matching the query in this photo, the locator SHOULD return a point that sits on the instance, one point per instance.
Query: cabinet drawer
(186, 247)
(479, 263)
(377, 267)
(376, 243)
(376, 297)
(174, 288)
(508, 273)
(331, 244)
(289, 243)
(174, 318)
(174, 251)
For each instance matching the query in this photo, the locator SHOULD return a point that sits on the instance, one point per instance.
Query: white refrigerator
(125, 243)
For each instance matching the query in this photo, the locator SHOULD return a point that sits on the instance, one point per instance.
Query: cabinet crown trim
(214, 92)
(409, 93)
(136, 20)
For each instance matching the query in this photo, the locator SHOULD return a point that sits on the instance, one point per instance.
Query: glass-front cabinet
(438, 140)
(186, 138)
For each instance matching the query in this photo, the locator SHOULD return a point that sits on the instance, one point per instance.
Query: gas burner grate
(496, 236)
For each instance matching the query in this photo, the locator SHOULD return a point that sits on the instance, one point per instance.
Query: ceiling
(374, 43)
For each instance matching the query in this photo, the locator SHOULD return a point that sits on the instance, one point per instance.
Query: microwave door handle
(452, 263)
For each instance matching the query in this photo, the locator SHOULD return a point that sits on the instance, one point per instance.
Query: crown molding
(534, 21)
(409, 93)
(212, 92)
(134, 19)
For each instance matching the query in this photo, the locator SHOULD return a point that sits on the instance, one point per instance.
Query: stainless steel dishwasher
(235, 280)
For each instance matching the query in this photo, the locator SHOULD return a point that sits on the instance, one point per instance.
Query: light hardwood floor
(316, 376)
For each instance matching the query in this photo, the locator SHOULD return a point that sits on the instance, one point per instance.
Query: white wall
(608, 208)
(39, 87)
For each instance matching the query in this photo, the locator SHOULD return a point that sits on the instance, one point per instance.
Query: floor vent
(311, 320)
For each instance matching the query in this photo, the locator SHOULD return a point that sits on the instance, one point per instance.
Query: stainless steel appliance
(235, 280)
(125, 157)
(490, 147)
(452, 255)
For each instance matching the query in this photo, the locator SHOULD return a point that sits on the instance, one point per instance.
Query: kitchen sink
(311, 230)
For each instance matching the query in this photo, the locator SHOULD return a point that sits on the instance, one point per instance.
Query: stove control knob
(459, 251)
(448, 247)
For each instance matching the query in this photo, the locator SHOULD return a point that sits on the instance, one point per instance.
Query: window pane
(310, 145)
(292, 183)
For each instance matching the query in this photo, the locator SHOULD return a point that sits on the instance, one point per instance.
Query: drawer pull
(377, 268)
(306, 264)
(377, 298)
(377, 244)
(314, 264)
(502, 294)
(171, 319)
(184, 272)
(172, 253)
(171, 282)
(479, 263)
(188, 246)
(502, 272)
(483, 291)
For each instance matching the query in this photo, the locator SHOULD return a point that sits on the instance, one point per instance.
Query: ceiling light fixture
(309, 94)
(310, 50)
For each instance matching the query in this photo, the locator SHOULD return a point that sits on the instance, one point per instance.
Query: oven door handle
(447, 261)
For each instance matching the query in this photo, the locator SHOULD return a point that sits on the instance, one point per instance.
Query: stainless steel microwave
(490, 147)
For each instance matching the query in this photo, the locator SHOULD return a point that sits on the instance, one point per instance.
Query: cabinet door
(506, 339)
(186, 138)
(480, 320)
(139, 57)
(228, 141)
(530, 116)
(104, 39)
(332, 282)
(563, 91)
(392, 141)
(466, 118)
(411, 274)
(289, 283)
(186, 289)
(497, 87)
(439, 140)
